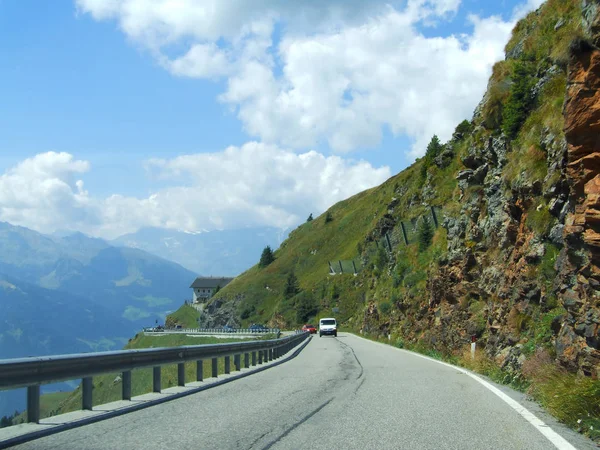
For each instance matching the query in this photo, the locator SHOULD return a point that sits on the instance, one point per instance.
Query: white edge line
(557, 440)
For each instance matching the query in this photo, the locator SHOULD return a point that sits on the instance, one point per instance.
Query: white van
(328, 326)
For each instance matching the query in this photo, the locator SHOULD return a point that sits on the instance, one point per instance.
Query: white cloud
(256, 184)
(43, 192)
(201, 61)
(345, 86)
(340, 71)
(523, 9)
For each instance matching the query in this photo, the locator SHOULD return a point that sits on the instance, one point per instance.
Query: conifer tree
(291, 286)
(425, 235)
(267, 257)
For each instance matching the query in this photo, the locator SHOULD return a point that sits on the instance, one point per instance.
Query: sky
(222, 114)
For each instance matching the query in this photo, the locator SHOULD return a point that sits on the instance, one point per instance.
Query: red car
(309, 328)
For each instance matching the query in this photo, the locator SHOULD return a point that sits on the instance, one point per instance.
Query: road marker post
(473, 346)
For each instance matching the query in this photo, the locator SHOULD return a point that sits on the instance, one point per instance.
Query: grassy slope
(307, 252)
(313, 244)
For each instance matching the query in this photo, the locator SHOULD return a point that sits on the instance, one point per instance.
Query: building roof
(210, 282)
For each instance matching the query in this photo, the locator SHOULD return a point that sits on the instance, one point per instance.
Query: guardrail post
(253, 358)
(181, 374)
(236, 361)
(270, 353)
(260, 356)
(228, 364)
(215, 367)
(126, 387)
(246, 360)
(33, 404)
(199, 370)
(156, 387)
(87, 386)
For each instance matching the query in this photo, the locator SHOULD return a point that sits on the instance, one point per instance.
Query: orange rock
(590, 237)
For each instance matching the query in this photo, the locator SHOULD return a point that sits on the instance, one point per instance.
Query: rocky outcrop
(578, 343)
(512, 226)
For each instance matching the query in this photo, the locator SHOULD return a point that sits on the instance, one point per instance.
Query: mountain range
(217, 253)
(78, 294)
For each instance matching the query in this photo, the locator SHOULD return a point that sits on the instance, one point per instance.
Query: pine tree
(434, 147)
(291, 286)
(425, 234)
(519, 101)
(305, 307)
(310, 218)
(267, 257)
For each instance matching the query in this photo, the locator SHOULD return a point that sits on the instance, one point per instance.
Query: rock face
(578, 342)
(512, 226)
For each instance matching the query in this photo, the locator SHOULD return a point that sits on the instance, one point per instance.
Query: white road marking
(557, 440)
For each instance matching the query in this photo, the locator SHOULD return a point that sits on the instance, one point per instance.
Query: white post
(473, 345)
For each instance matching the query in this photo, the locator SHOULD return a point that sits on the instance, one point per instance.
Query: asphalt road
(339, 393)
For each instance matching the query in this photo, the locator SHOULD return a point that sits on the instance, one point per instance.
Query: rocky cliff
(522, 261)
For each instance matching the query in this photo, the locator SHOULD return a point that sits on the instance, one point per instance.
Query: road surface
(338, 393)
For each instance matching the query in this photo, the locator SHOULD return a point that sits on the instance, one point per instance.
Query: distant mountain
(227, 252)
(37, 321)
(127, 285)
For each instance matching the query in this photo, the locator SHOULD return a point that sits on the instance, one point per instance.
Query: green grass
(49, 405)
(186, 316)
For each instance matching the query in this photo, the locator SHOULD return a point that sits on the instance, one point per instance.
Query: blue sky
(75, 79)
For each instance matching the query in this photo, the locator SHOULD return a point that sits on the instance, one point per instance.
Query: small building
(204, 288)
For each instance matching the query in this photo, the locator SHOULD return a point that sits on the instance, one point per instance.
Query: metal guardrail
(33, 372)
(220, 330)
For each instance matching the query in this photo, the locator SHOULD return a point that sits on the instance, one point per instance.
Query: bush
(461, 130)
(328, 217)
(381, 258)
(540, 221)
(310, 218)
(385, 308)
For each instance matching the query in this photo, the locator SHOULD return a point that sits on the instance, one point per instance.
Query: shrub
(381, 258)
(385, 308)
(328, 217)
(461, 130)
(310, 218)
(540, 220)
